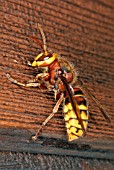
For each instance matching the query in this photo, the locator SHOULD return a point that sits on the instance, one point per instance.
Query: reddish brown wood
(83, 32)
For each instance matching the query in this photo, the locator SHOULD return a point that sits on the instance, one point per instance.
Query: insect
(58, 75)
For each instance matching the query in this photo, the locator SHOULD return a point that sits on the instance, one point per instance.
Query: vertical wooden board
(83, 34)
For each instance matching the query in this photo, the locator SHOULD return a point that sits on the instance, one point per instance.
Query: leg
(42, 75)
(31, 84)
(55, 109)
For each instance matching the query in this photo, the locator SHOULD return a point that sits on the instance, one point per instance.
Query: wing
(74, 128)
(103, 111)
(76, 111)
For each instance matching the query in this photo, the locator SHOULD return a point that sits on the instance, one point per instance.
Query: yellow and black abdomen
(74, 129)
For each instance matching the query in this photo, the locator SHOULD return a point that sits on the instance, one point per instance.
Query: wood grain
(39, 161)
(83, 33)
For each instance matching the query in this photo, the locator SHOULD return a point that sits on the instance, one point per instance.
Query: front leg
(31, 83)
(42, 76)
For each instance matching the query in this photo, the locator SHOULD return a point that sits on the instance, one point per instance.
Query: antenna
(43, 37)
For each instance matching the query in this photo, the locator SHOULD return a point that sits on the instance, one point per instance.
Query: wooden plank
(31, 161)
(81, 32)
(85, 149)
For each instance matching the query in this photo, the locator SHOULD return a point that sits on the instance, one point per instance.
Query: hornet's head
(45, 58)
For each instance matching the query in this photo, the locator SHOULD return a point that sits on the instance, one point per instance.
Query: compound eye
(44, 57)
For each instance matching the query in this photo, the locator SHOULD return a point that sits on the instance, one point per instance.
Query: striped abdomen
(74, 129)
